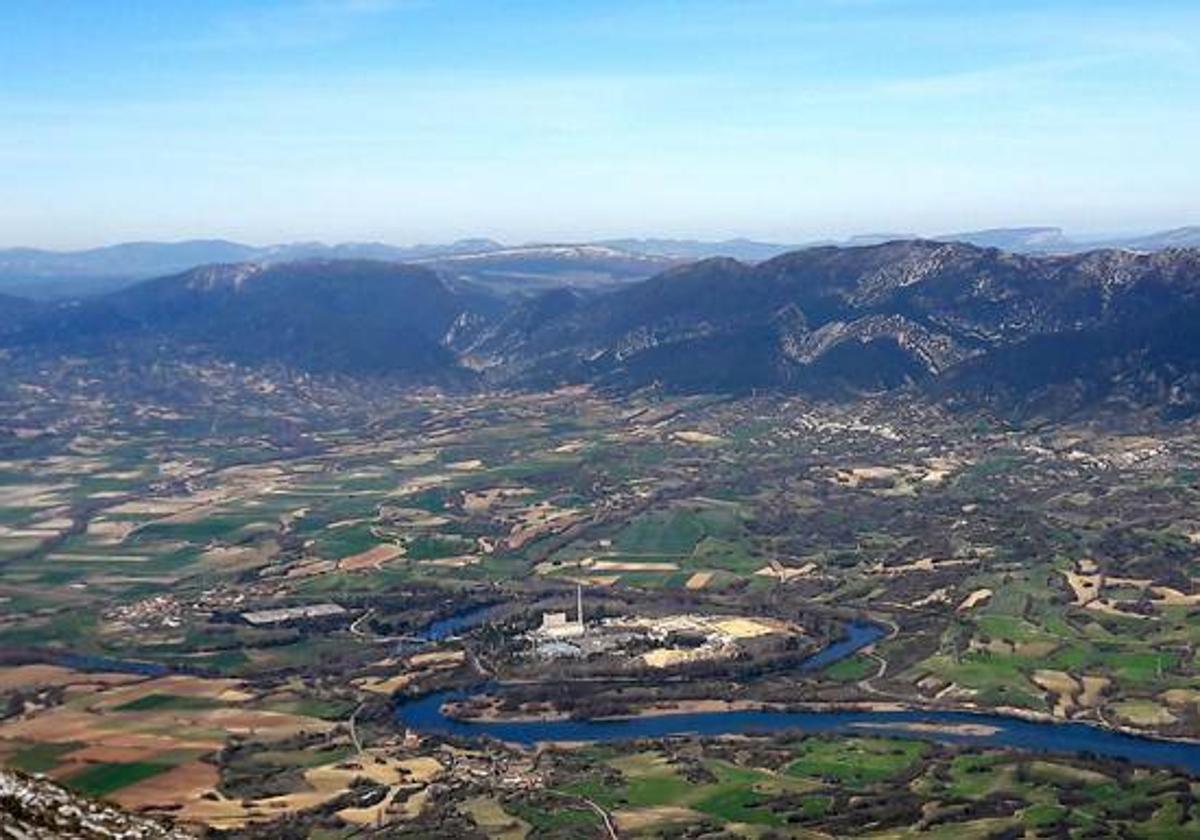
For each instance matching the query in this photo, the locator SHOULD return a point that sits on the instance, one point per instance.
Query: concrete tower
(579, 606)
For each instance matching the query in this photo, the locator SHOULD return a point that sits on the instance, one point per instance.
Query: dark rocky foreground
(36, 809)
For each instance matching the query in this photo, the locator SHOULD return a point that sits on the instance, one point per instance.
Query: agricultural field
(868, 787)
(215, 619)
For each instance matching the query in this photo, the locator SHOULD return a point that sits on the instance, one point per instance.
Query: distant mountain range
(966, 323)
(362, 317)
(522, 270)
(949, 316)
(60, 274)
(526, 269)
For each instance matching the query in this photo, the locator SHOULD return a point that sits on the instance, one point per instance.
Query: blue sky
(419, 120)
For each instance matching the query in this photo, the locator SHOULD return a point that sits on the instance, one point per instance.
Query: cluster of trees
(14, 703)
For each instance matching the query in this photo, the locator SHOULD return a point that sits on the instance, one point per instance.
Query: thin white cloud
(977, 82)
(291, 24)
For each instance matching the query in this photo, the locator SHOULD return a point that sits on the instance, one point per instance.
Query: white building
(556, 625)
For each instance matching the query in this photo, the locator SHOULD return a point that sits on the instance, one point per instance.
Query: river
(444, 628)
(425, 715)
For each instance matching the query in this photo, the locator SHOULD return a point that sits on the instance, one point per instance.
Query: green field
(855, 762)
(103, 779)
(883, 787)
(168, 702)
(41, 758)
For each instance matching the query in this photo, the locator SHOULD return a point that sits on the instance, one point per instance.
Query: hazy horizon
(1079, 237)
(421, 121)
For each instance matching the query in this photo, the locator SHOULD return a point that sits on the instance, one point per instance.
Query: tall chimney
(579, 606)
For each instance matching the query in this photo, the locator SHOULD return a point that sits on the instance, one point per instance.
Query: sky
(427, 120)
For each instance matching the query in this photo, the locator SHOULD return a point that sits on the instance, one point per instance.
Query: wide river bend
(426, 715)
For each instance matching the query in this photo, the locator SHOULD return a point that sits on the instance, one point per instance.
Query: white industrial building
(556, 625)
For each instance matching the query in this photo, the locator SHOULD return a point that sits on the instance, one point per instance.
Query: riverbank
(490, 710)
(1014, 728)
(471, 711)
(427, 716)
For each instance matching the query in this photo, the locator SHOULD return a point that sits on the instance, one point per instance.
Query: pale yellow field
(372, 558)
(459, 562)
(1063, 686)
(538, 520)
(32, 495)
(493, 820)
(784, 573)
(466, 466)
(415, 459)
(667, 657)
(420, 484)
(622, 566)
(1085, 587)
(1143, 713)
(481, 501)
(1174, 597)
(702, 438)
(1093, 690)
(438, 658)
(643, 818)
(325, 783)
(241, 554)
(745, 628)
(226, 690)
(979, 596)
(35, 676)
(415, 667)
(110, 532)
